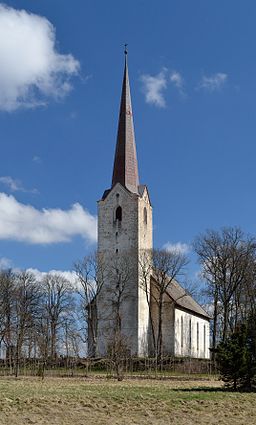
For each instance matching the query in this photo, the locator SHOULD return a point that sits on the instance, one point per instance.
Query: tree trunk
(215, 320)
(160, 330)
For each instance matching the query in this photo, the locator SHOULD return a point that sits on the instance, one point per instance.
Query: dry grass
(60, 401)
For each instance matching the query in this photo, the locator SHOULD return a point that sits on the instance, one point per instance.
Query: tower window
(119, 213)
(145, 215)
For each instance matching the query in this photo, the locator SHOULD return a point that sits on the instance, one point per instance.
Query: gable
(112, 192)
(144, 194)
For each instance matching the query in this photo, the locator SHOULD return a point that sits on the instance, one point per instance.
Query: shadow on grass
(212, 390)
(201, 389)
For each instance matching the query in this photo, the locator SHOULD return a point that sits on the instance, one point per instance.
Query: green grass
(100, 401)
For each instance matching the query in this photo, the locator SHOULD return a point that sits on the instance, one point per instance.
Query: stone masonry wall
(117, 239)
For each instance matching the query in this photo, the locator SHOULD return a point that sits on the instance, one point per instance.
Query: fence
(106, 367)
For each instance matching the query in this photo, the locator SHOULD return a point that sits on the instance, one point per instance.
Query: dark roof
(105, 194)
(184, 301)
(141, 189)
(125, 169)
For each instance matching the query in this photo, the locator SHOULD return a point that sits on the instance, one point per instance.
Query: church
(125, 306)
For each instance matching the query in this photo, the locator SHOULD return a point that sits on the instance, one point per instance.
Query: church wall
(167, 323)
(118, 242)
(145, 232)
(191, 335)
(118, 239)
(168, 328)
(112, 234)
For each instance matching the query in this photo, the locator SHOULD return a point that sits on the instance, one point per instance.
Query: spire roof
(125, 169)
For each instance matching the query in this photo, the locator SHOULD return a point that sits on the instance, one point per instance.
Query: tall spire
(125, 165)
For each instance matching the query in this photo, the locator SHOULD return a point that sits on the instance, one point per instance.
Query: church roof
(125, 169)
(183, 300)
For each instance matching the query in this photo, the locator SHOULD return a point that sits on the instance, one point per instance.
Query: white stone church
(124, 233)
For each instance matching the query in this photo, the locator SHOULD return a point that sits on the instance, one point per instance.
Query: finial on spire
(125, 49)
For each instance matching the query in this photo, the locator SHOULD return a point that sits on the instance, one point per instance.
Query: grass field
(63, 401)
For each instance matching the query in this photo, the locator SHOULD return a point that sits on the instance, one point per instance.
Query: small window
(197, 336)
(116, 250)
(190, 335)
(181, 332)
(145, 216)
(204, 339)
(119, 213)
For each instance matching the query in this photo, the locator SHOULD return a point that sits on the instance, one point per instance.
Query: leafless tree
(6, 312)
(91, 274)
(26, 303)
(70, 336)
(58, 302)
(168, 266)
(120, 274)
(145, 273)
(227, 258)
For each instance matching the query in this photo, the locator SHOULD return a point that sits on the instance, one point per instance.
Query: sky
(192, 68)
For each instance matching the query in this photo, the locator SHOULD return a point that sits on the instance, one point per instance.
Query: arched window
(181, 332)
(204, 339)
(145, 215)
(190, 335)
(119, 213)
(197, 336)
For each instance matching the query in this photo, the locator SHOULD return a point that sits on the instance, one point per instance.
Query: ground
(63, 401)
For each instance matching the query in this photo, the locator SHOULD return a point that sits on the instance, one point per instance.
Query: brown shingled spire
(125, 165)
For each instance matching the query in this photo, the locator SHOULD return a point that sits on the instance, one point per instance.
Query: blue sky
(192, 69)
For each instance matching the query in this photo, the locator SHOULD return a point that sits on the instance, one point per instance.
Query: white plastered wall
(191, 335)
(145, 236)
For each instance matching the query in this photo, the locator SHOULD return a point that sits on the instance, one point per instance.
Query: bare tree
(58, 301)
(120, 273)
(26, 302)
(91, 273)
(227, 258)
(145, 273)
(70, 336)
(6, 312)
(168, 266)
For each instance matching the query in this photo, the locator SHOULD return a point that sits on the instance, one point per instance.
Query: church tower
(124, 232)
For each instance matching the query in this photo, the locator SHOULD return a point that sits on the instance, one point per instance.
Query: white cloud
(213, 82)
(177, 80)
(31, 69)
(25, 223)
(179, 247)
(15, 185)
(5, 263)
(153, 88)
(68, 275)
